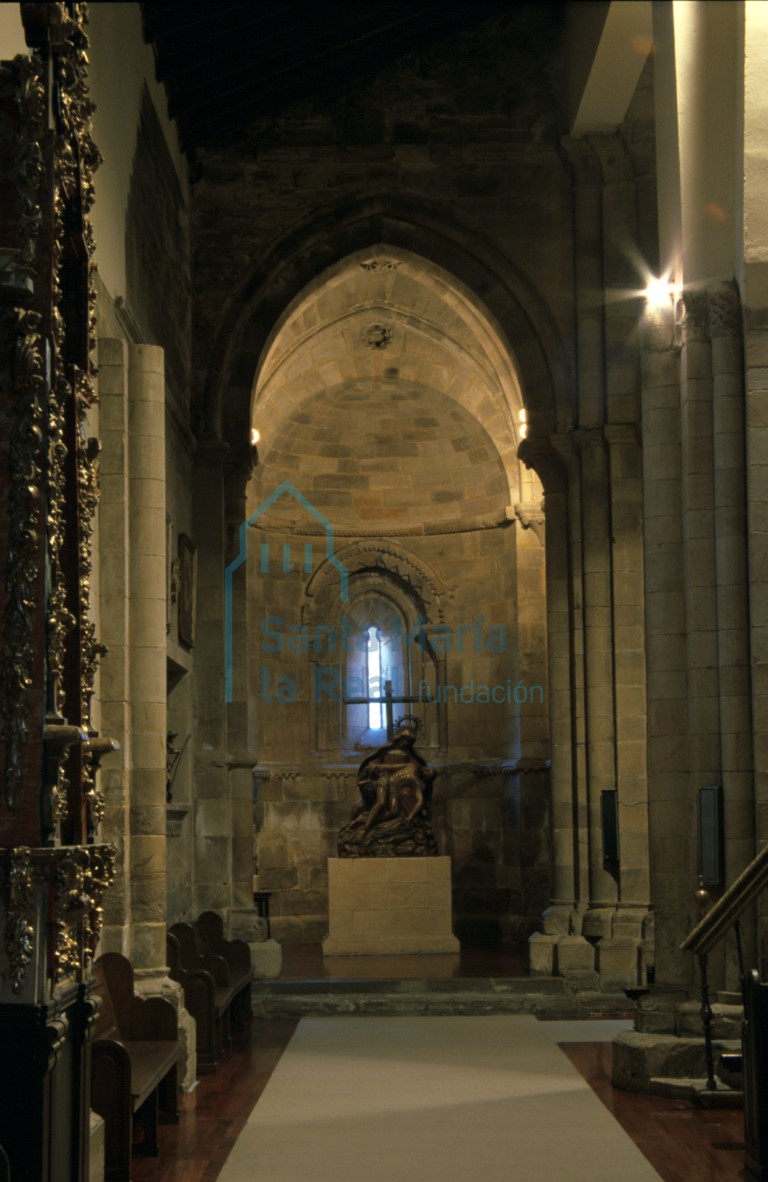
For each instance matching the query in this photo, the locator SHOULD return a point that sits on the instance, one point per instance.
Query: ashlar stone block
(575, 954)
(541, 954)
(389, 905)
(618, 962)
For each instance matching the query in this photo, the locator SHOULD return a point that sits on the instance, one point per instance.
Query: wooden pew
(236, 955)
(134, 1057)
(230, 973)
(205, 1001)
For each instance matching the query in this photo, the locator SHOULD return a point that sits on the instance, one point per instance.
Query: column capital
(695, 324)
(724, 310)
(543, 456)
(531, 516)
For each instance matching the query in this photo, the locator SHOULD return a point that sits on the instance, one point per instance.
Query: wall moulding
(457, 525)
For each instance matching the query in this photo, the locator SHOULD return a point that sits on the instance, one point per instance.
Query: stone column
(728, 419)
(133, 676)
(558, 468)
(755, 297)
(619, 278)
(703, 712)
(147, 657)
(564, 884)
(666, 654)
(236, 474)
(223, 804)
(114, 561)
(588, 236)
(630, 923)
(213, 869)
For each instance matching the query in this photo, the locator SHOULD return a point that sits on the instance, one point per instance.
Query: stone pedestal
(389, 905)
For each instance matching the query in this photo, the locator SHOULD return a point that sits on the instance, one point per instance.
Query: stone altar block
(379, 906)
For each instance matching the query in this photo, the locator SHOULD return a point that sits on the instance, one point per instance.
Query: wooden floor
(680, 1141)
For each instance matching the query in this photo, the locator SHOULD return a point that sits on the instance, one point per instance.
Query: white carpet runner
(431, 1100)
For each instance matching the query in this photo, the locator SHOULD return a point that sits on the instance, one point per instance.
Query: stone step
(400, 985)
(554, 1002)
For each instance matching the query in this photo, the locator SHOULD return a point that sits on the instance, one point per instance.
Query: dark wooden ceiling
(228, 63)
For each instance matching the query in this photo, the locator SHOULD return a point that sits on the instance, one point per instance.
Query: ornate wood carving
(24, 557)
(99, 877)
(71, 882)
(20, 914)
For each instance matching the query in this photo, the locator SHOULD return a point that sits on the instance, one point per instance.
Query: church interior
(370, 376)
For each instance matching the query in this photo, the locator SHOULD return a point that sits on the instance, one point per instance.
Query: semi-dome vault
(385, 391)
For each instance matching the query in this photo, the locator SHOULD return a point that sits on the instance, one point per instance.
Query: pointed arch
(423, 228)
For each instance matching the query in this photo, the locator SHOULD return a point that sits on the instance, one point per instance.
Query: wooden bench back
(125, 1015)
(176, 970)
(210, 927)
(106, 1021)
(190, 945)
(118, 976)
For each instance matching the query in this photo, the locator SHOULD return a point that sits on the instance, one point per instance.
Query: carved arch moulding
(385, 558)
(428, 230)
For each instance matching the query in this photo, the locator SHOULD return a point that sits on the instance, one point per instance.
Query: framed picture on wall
(187, 590)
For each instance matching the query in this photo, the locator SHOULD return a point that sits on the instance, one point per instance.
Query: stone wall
(490, 802)
(431, 130)
(490, 818)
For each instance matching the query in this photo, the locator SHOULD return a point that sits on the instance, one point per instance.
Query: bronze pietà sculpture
(393, 817)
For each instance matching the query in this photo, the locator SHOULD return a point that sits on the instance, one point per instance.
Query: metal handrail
(723, 914)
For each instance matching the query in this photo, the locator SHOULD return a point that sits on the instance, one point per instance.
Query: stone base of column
(619, 963)
(542, 954)
(244, 923)
(598, 922)
(576, 962)
(379, 906)
(267, 960)
(612, 965)
(561, 919)
(653, 1062)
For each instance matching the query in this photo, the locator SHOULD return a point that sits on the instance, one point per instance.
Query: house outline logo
(330, 556)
